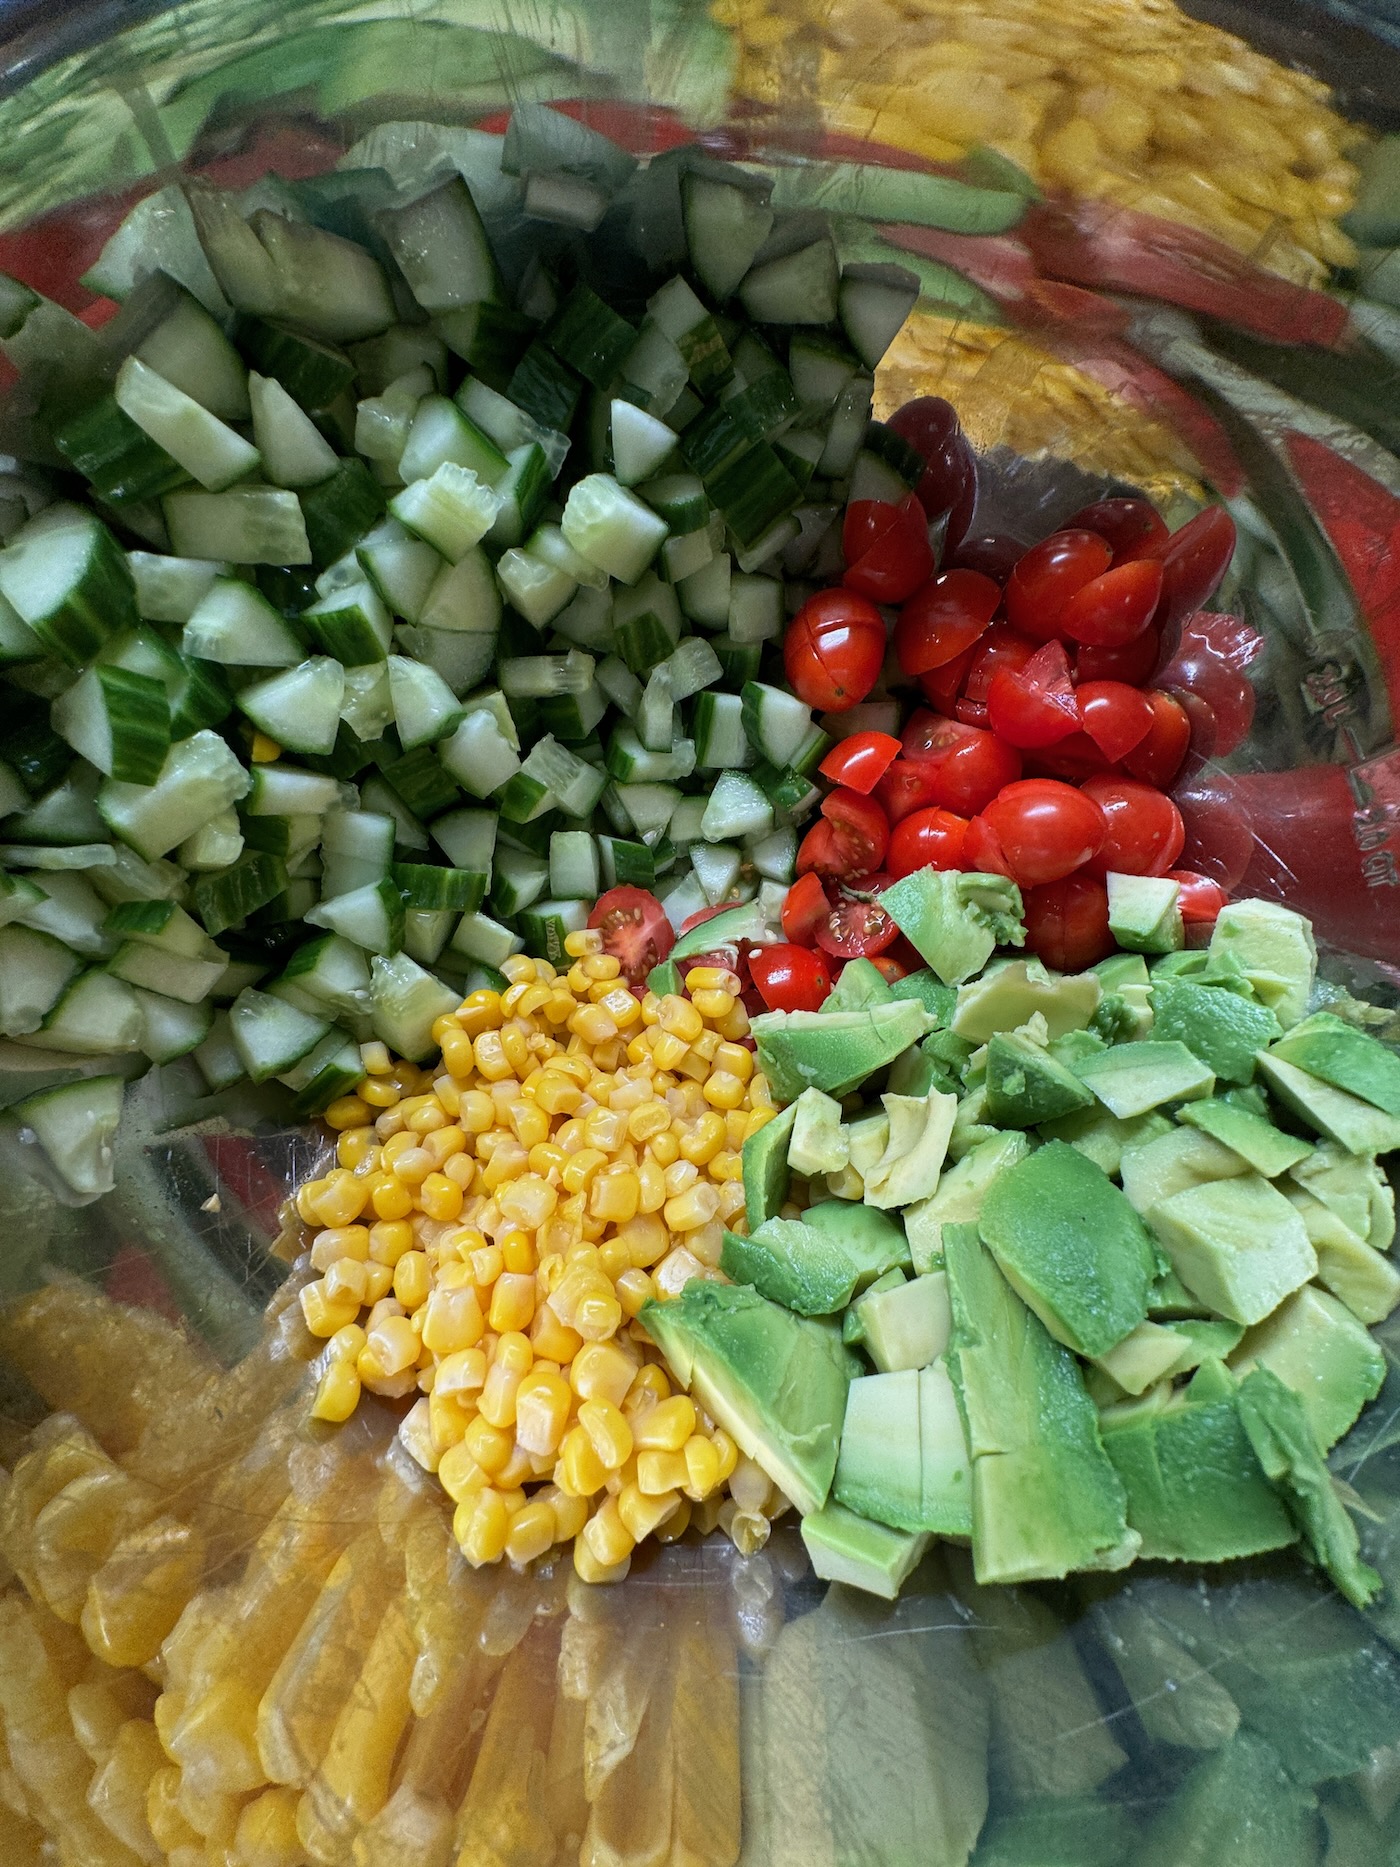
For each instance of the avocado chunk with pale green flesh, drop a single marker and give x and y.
(917, 1071)
(906, 1325)
(853, 1323)
(1124, 978)
(1170, 1299)
(1354, 1188)
(1103, 1137)
(1195, 1489)
(873, 1241)
(834, 1051)
(973, 1124)
(1173, 1161)
(1274, 949)
(1026, 1085)
(667, 977)
(956, 920)
(844, 1547)
(1058, 1831)
(819, 1142)
(869, 1135)
(1316, 1347)
(860, 984)
(1146, 1355)
(1285, 1446)
(1209, 1338)
(1223, 1029)
(958, 1200)
(1076, 1047)
(1337, 1053)
(791, 1264)
(1237, 1805)
(915, 1149)
(903, 1458)
(1011, 993)
(1144, 914)
(1071, 1246)
(776, 1383)
(1130, 1079)
(1345, 1119)
(938, 1000)
(1238, 1244)
(1267, 1149)
(1045, 1499)
(1365, 1279)
(765, 1165)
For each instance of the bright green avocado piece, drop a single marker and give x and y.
(1010, 994)
(903, 1457)
(844, 1547)
(1337, 1053)
(1045, 1499)
(1365, 1279)
(1317, 1348)
(1124, 979)
(915, 1148)
(1222, 1028)
(1343, 1118)
(1354, 1188)
(1146, 1355)
(1131, 1079)
(1195, 1489)
(1267, 1149)
(791, 1264)
(833, 1051)
(1026, 1085)
(1103, 1137)
(1273, 948)
(819, 1142)
(956, 919)
(765, 1163)
(1208, 1338)
(938, 1000)
(1238, 1244)
(958, 1200)
(1172, 1161)
(852, 1324)
(1071, 1246)
(872, 1240)
(666, 977)
(775, 1382)
(907, 1324)
(860, 984)
(1143, 913)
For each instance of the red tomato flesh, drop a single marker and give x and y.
(790, 978)
(1132, 527)
(1112, 610)
(1144, 833)
(944, 619)
(1049, 575)
(1034, 705)
(635, 930)
(1067, 923)
(834, 650)
(803, 908)
(886, 547)
(1116, 717)
(927, 839)
(967, 765)
(860, 761)
(856, 930)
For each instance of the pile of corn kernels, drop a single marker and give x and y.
(496, 1222)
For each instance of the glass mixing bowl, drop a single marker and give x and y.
(229, 1636)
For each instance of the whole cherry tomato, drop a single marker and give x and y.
(1046, 829)
(927, 839)
(931, 426)
(790, 978)
(1116, 717)
(886, 548)
(635, 930)
(1133, 527)
(1194, 559)
(850, 841)
(967, 765)
(944, 619)
(1047, 577)
(834, 650)
(1133, 662)
(890, 969)
(804, 906)
(860, 761)
(1156, 759)
(1200, 899)
(1001, 647)
(1145, 832)
(856, 930)
(1036, 704)
(1067, 922)
(1112, 610)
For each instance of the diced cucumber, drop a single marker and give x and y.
(246, 525)
(705, 594)
(118, 720)
(522, 490)
(200, 778)
(846, 429)
(34, 970)
(214, 845)
(428, 888)
(294, 451)
(775, 855)
(462, 660)
(721, 744)
(538, 590)
(649, 808)
(630, 762)
(169, 589)
(682, 557)
(19, 897)
(207, 448)
(573, 866)
(684, 827)
(799, 288)
(76, 1125)
(684, 899)
(329, 977)
(873, 478)
(96, 1016)
(587, 619)
(725, 225)
(189, 980)
(777, 723)
(340, 511)
(657, 723)
(646, 623)
(654, 370)
(371, 916)
(131, 879)
(547, 925)
(380, 797)
(575, 784)
(452, 510)
(234, 624)
(467, 838)
(158, 924)
(873, 302)
(518, 879)
(284, 791)
(217, 1057)
(357, 848)
(401, 567)
(441, 433)
(300, 709)
(405, 1003)
(464, 596)
(270, 1035)
(352, 625)
(491, 339)
(620, 685)
(611, 527)
(70, 582)
(169, 1027)
(507, 425)
(716, 868)
(479, 755)
(441, 248)
(641, 444)
(383, 422)
(737, 808)
(548, 543)
(425, 707)
(332, 1069)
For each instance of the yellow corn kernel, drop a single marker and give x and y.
(530, 1122)
(703, 1466)
(659, 1472)
(713, 1006)
(532, 1531)
(638, 1051)
(570, 1513)
(586, 941)
(642, 1512)
(665, 1149)
(613, 1258)
(413, 1279)
(518, 1253)
(457, 1055)
(508, 1162)
(760, 1097)
(704, 1140)
(676, 1525)
(580, 1472)
(487, 1444)
(346, 1343)
(379, 1092)
(167, 1825)
(323, 1312)
(551, 1340)
(519, 969)
(528, 1201)
(412, 1167)
(665, 1427)
(486, 1264)
(459, 1473)
(427, 1118)
(481, 1526)
(678, 1015)
(462, 1170)
(443, 1144)
(337, 1393)
(512, 1350)
(600, 966)
(709, 979)
(680, 1175)
(543, 1402)
(582, 1167)
(452, 1320)
(338, 1242)
(597, 1574)
(619, 1003)
(389, 1197)
(347, 1112)
(479, 1011)
(339, 1199)
(606, 1535)
(728, 1453)
(614, 1195)
(354, 1148)
(693, 1208)
(448, 1420)
(706, 1242)
(497, 1403)
(461, 1373)
(651, 1384)
(476, 1111)
(395, 1344)
(609, 1432)
(491, 1059)
(440, 1198)
(726, 1166)
(667, 1047)
(635, 1289)
(515, 1044)
(262, 750)
(557, 1094)
(512, 1301)
(389, 1241)
(602, 1371)
(649, 1119)
(735, 1059)
(735, 1026)
(724, 1090)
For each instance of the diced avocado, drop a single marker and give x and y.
(874, 1242)
(1076, 1047)
(1317, 1348)
(1133, 1078)
(1223, 1029)
(1124, 976)
(915, 1150)
(1345, 1119)
(860, 984)
(834, 1051)
(1058, 1831)
(1102, 1136)
(1144, 913)
(844, 1547)
(1179, 1701)
(973, 1124)
(958, 1200)
(1275, 950)
(1025, 1085)
(1169, 1297)
(1238, 1244)
(936, 998)
(1008, 995)
(1194, 963)
(955, 919)
(917, 1070)
(666, 977)
(791, 1264)
(845, 1185)
(776, 1383)
(1209, 1339)
(1237, 1805)
(766, 1167)
(1146, 1355)
(1171, 1162)
(906, 1325)
(1354, 1188)
(852, 1324)
(819, 1142)
(1071, 1246)
(903, 1457)
(1284, 1444)
(1267, 1149)
(869, 1135)
(1196, 1491)
(1338, 1053)
(1119, 1409)
(1365, 1279)
(1043, 1502)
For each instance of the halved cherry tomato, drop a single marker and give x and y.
(982, 850)
(1145, 833)
(1034, 705)
(972, 713)
(966, 766)
(790, 978)
(1047, 577)
(804, 906)
(931, 425)
(1046, 829)
(995, 556)
(944, 619)
(1073, 758)
(1116, 717)
(1001, 647)
(1157, 758)
(1194, 559)
(1115, 608)
(834, 650)
(856, 930)
(942, 686)
(1133, 662)
(850, 841)
(1200, 899)
(1132, 526)
(1067, 922)
(860, 761)
(886, 548)
(635, 930)
(927, 839)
